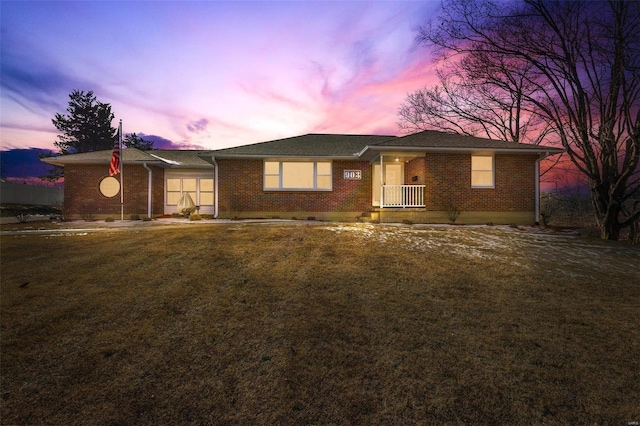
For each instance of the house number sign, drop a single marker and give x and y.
(353, 174)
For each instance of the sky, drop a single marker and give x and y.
(211, 74)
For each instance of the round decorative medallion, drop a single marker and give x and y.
(109, 186)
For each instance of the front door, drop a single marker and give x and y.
(393, 175)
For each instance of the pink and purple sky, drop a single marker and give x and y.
(212, 74)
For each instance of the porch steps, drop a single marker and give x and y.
(369, 217)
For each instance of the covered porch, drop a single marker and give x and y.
(393, 181)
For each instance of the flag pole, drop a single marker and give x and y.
(121, 172)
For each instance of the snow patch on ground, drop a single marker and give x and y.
(525, 247)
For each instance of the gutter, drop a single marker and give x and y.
(150, 187)
(215, 187)
(280, 156)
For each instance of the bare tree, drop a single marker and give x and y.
(579, 68)
(476, 98)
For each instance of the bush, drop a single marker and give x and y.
(88, 217)
(146, 219)
(453, 211)
(195, 217)
(22, 217)
(549, 207)
(109, 219)
(134, 217)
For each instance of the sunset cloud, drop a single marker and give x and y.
(211, 74)
(198, 126)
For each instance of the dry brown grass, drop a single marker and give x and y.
(318, 324)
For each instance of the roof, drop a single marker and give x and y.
(161, 157)
(367, 146)
(436, 139)
(184, 158)
(310, 145)
(335, 146)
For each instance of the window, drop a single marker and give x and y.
(297, 175)
(202, 187)
(173, 191)
(206, 192)
(482, 171)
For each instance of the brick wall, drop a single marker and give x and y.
(448, 179)
(82, 191)
(415, 168)
(241, 190)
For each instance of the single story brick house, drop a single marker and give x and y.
(424, 177)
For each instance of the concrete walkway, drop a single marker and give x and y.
(44, 226)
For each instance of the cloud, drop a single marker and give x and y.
(22, 164)
(163, 143)
(37, 85)
(198, 126)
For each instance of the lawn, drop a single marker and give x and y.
(311, 323)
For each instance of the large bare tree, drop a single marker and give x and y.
(477, 98)
(568, 68)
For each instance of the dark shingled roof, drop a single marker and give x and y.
(129, 154)
(323, 145)
(435, 139)
(310, 145)
(160, 157)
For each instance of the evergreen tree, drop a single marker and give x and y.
(86, 127)
(131, 140)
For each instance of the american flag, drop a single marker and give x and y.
(114, 167)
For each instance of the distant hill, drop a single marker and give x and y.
(22, 164)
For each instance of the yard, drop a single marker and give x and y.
(318, 323)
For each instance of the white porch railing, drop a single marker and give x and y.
(402, 196)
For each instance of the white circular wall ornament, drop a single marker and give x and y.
(109, 187)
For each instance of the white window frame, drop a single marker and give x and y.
(315, 175)
(493, 171)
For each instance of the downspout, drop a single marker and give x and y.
(537, 185)
(381, 181)
(215, 187)
(150, 187)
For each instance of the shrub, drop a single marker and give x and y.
(453, 211)
(407, 222)
(134, 217)
(195, 217)
(549, 206)
(88, 217)
(22, 217)
(146, 219)
(109, 219)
